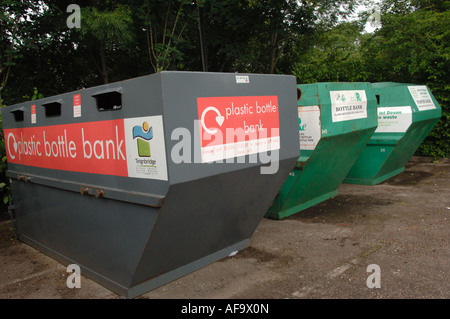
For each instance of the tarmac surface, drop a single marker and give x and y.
(394, 235)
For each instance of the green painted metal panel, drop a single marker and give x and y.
(336, 120)
(406, 113)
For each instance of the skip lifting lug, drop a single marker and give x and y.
(24, 178)
(84, 191)
(99, 193)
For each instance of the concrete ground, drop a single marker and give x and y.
(401, 225)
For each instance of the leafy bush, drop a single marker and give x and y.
(409, 48)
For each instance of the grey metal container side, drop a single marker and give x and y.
(132, 235)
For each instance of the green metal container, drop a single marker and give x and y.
(336, 120)
(406, 115)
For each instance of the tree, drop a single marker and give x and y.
(414, 48)
(106, 30)
(410, 47)
(260, 35)
(336, 55)
(227, 28)
(283, 23)
(402, 7)
(164, 32)
(16, 22)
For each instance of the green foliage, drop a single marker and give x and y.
(5, 189)
(119, 40)
(411, 47)
(414, 48)
(110, 27)
(16, 19)
(36, 94)
(336, 55)
(165, 25)
(106, 30)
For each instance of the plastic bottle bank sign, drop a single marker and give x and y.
(237, 126)
(131, 147)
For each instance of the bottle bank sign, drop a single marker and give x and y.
(237, 126)
(131, 147)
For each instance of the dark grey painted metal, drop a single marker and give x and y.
(106, 236)
(144, 233)
(180, 91)
(140, 97)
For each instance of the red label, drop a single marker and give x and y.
(33, 114)
(77, 105)
(235, 126)
(77, 100)
(92, 147)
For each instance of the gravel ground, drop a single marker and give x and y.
(400, 225)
